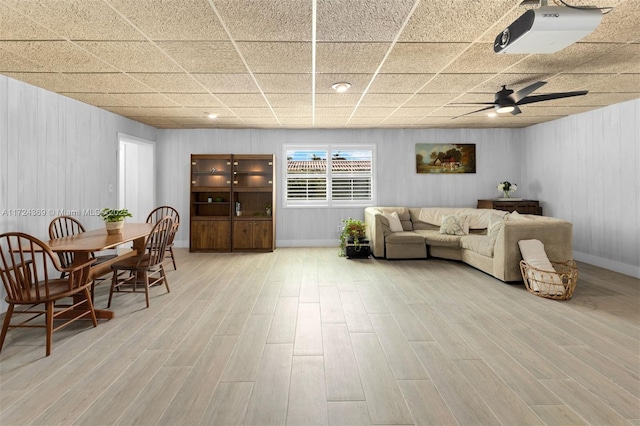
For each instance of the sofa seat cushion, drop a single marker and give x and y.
(404, 237)
(435, 238)
(481, 244)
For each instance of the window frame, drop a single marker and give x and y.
(328, 202)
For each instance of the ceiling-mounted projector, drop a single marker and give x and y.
(547, 29)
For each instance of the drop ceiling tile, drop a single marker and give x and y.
(146, 100)
(421, 57)
(293, 112)
(543, 109)
(266, 57)
(571, 82)
(195, 99)
(17, 26)
(161, 123)
(106, 82)
(204, 56)
(359, 82)
(56, 56)
(572, 57)
(363, 122)
(97, 99)
(10, 62)
(480, 58)
(512, 81)
(172, 20)
(361, 20)
(337, 99)
(252, 112)
(169, 82)
(374, 111)
(455, 83)
(453, 20)
(413, 112)
(54, 82)
(396, 121)
(131, 56)
(297, 122)
(150, 112)
(595, 99)
(350, 58)
(615, 83)
(228, 83)
(284, 83)
(399, 83)
(432, 121)
(78, 19)
(242, 100)
(431, 99)
(614, 59)
(289, 99)
(333, 112)
(261, 122)
(384, 99)
(620, 25)
(203, 122)
(266, 20)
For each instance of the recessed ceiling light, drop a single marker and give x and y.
(492, 114)
(212, 116)
(341, 87)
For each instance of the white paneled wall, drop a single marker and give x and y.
(55, 154)
(584, 169)
(497, 151)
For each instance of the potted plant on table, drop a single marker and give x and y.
(353, 239)
(114, 219)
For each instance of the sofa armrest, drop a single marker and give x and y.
(555, 234)
(374, 231)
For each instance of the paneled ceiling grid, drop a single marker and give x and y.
(271, 63)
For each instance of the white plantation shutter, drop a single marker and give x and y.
(315, 178)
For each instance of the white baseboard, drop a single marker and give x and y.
(622, 268)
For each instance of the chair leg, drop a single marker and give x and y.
(164, 278)
(146, 287)
(173, 259)
(49, 321)
(5, 324)
(90, 305)
(113, 284)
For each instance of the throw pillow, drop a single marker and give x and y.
(515, 216)
(496, 223)
(455, 225)
(394, 222)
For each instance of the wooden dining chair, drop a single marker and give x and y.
(157, 214)
(146, 269)
(65, 226)
(25, 264)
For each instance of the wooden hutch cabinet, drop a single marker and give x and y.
(232, 205)
(521, 206)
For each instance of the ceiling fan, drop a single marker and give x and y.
(506, 100)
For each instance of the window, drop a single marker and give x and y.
(329, 175)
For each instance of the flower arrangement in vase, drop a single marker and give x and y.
(506, 187)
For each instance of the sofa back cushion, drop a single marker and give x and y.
(478, 218)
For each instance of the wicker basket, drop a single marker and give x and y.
(558, 284)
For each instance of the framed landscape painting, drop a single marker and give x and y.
(445, 158)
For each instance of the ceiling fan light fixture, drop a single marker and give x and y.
(341, 87)
(505, 109)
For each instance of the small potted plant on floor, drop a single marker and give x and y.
(114, 219)
(353, 242)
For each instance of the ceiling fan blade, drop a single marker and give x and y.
(473, 112)
(551, 96)
(472, 103)
(522, 93)
(516, 110)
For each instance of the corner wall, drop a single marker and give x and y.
(584, 168)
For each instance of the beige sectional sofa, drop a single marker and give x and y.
(490, 244)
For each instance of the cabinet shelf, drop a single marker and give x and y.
(244, 182)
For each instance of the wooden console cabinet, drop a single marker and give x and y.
(521, 206)
(232, 203)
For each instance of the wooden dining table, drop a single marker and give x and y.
(85, 243)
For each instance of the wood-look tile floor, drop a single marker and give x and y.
(301, 336)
